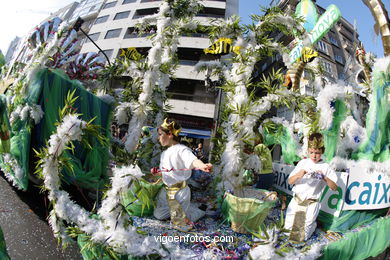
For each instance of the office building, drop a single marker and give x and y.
(114, 30)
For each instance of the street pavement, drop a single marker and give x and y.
(27, 236)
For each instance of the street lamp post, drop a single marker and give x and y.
(77, 27)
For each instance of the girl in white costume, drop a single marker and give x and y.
(309, 178)
(175, 168)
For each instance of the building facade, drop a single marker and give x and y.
(336, 55)
(192, 105)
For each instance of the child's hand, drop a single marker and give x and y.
(302, 173)
(208, 167)
(155, 171)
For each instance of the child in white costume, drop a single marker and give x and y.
(309, 178)
(175, 167)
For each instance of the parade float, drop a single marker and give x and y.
(47, 110)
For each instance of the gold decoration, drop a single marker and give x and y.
(316, 143)
(381, 16)
(171, 127)
(131, 53)
(178, 215)
(5, 83)
(222, 46)
(360, 55)
(294, 74)
(308, 55)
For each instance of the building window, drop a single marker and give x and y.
(107, 52)
(211, 12)
(342, 76)
(327, 67)
(110, 4)
(113, 33)
(92, 8)
(122, 15)
(101, 19)
(94, 36)
(144, 12)
(339, 59)
(128, 1)
(333, 40)
(323, 47)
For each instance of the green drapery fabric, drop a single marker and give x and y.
(19, 148)
(376, 146)
(370, 241)
(3, 248)
(49, 89)
(5, 129)
(332, 134)
(349, 219)
(283, 137)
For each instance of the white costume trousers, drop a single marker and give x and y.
(183, 196)
(311, 216)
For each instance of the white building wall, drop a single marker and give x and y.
(191, 108)
(185, 69)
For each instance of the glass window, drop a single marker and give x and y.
(130, 33)
(107, 52)
(129, 1)
(113, 33)
(122, 15)
(322, 47)
(333, 41)
(327, 67)
(101, 19)
(338, 58)
(144, 12)
(94, 36)
(110, 4)
(342, 76)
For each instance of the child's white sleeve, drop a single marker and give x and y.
(188, 157)
(297, 168)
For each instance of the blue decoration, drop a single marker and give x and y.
(356, 139)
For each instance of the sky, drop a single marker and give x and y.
(351, 10)
(18, 17)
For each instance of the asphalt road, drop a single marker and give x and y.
(27, 235)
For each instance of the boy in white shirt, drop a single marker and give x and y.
(175, 168)
(309, 178)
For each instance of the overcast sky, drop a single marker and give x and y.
(17, 17)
